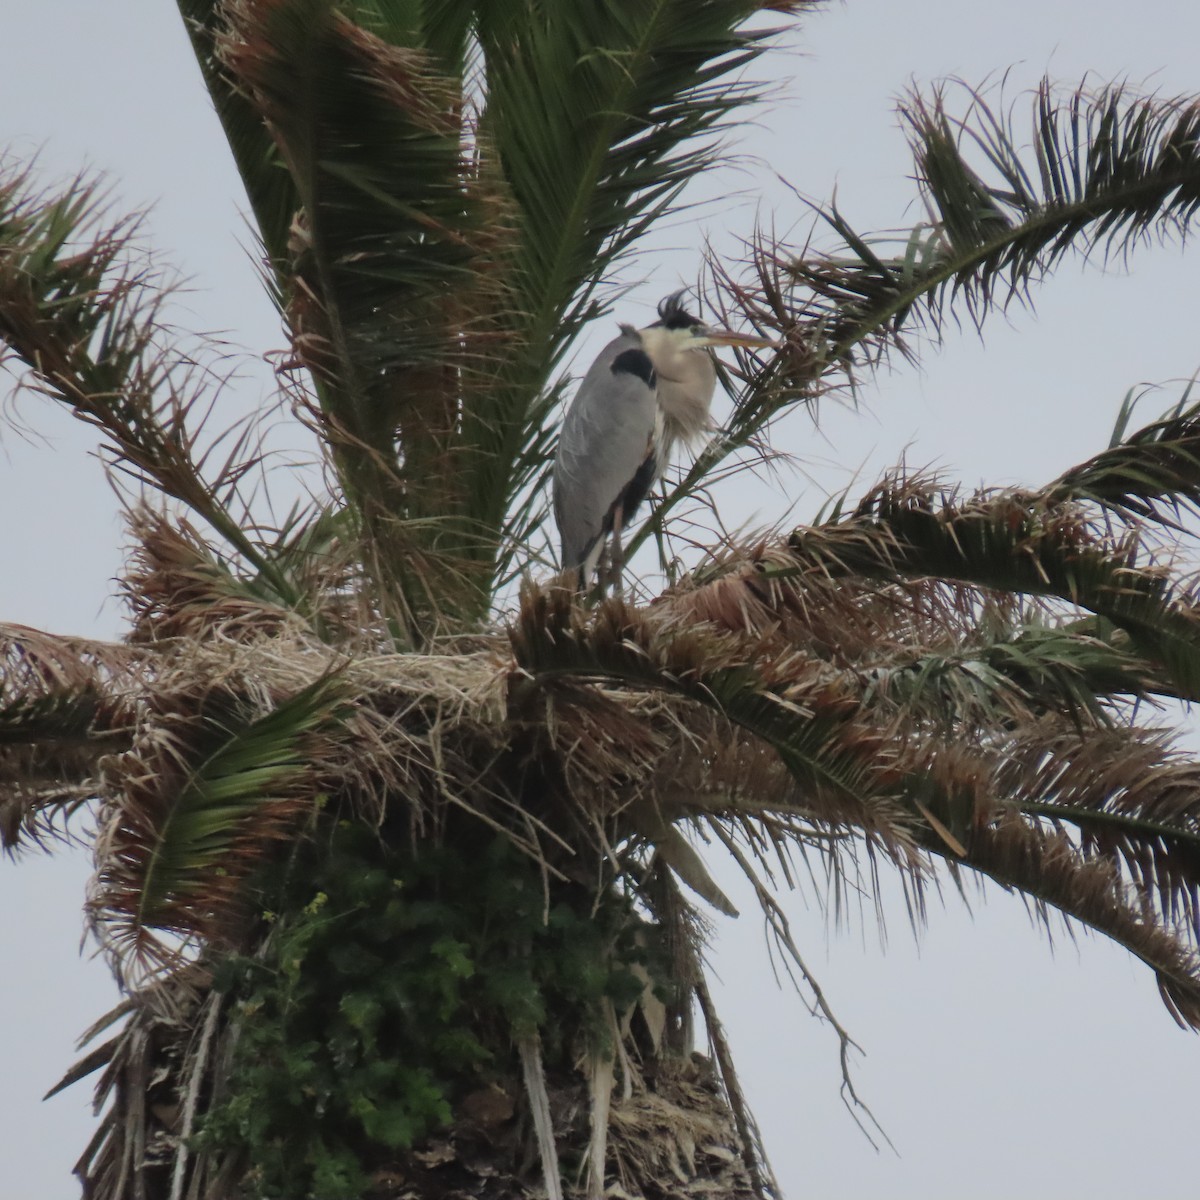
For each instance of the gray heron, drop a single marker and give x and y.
(648, 390)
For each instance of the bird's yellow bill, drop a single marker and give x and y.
(726, 337)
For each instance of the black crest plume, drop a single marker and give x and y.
(673, 315)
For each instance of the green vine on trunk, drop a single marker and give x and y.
(391, 984)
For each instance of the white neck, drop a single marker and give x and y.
(687, 378)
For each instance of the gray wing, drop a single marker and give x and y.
(604, 443)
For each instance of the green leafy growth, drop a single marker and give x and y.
(389, 987)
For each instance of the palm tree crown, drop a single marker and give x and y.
(396, 835)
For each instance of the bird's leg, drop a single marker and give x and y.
(595, 591)
(617, 566)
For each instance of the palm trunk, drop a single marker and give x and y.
(643, 1115)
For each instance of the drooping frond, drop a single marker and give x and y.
(1133, 806)
(1050, 871)
(998, 717)
(1133, 796)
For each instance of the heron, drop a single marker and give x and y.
(648, 391)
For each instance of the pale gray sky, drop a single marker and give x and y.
(996, 1067)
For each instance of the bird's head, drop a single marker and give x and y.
(680, 330)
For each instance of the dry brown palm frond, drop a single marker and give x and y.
(143, 1091)
(177, 588)
(1109, 839)
(237, 744)
(34, 664)
(64, 703)
(922, 653)
(799, 705)
(763, 587)
(1132, 795)
(605, 726)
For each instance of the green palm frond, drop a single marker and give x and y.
(444, 27)
(452, 232)
(1107, 172)
(61, 717)
(1151, 475)
(49, 749)
(1009, 675)
(1013, 543)
(202, 802)
(597, 113)
(269, 188)
(638, 94)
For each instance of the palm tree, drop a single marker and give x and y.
(397, 865)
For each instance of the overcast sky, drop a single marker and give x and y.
(996, 1067)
